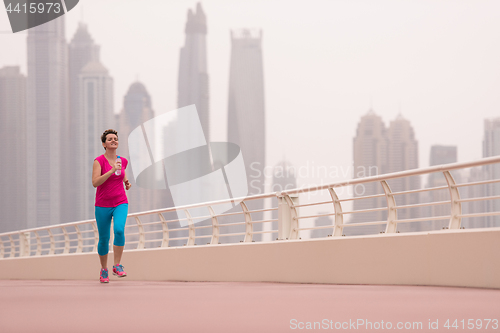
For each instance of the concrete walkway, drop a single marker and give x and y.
(132, 306)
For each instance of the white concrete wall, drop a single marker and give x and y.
(468, 258)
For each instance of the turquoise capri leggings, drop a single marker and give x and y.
(103, 217)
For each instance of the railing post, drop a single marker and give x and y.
(192, 230)
(52, 242)
(287, 217)
(392, 213)
(248, 223)
(12, 247)
(215, 226)
(66, 240)
(142, 237)
(456, 205)
(1, 248)
(79, 247)
(24, 244)
(164, 226)
(338, 224)
(38, 244)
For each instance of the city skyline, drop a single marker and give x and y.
(334, 164)
(388, 74)
(309, 137)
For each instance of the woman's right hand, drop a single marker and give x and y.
(117, 166)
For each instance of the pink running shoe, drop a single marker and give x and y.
(104, 275)
(118, 271)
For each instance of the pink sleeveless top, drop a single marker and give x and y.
(111, 193)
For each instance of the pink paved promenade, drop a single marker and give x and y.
(131, 306)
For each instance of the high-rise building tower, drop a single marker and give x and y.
(370, 159)
(402, 155)
(193, 89)
(13, 149)
(491, 147)
(246, 110)
(95, 116)
(48, 129)
(378, 150)
(89, 106)
(136, 110)
(82, 50)
(193, 76)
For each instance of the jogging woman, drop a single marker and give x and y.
(110, 201)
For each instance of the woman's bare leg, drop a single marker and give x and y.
(104, 261)
(117, 252)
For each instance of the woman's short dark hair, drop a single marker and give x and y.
(106, 132)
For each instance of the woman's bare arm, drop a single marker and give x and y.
(97, 178)
(125, 181)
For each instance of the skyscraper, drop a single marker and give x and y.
(192, 88)
(136, 110)
(95, 116)
(402, 155)
(47, 123)
(370, 159)
(246, 110)
(82, 50)
(491, 147)
(89, 106)
(193, 76)
(379, 150)
(13, 185)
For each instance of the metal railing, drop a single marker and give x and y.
(82, 236)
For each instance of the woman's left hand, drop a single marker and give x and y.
(127, 185)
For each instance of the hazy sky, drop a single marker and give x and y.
(325, 62)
